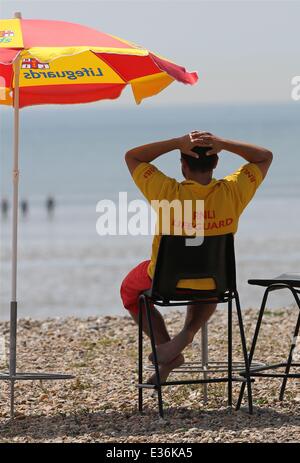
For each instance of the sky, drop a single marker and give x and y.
(244, 51)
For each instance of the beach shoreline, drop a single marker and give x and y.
(100, 404)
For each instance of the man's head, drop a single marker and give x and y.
(202, 164)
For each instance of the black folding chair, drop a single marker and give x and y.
(176, 260)
(285, 281)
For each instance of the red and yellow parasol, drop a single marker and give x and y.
(62, 62)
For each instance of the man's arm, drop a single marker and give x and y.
(262, 157)
(147, 153)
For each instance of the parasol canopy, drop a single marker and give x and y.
(63, 63)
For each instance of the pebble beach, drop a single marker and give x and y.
(100, 403)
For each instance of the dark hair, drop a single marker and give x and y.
(203, 163)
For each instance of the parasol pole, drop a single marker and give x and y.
(13, 304)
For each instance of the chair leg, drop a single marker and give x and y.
(153, 346)
(253, 345)
(290, 358)
(229, 360)
(140, 353)
(244, 346)
(204, 355)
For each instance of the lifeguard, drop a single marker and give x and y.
(224, 202)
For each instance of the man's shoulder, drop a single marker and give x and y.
(249, 171)
(144, 169)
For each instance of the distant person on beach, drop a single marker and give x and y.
(24, 207)
(224, 202)
(4, 207)
(50, 206)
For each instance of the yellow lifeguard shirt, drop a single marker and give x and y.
(224, 201)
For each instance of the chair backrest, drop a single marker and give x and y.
(214, 258)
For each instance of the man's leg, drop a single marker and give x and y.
(161, 337)
(136, 282)
(133, 285)
(159, 327)
(196, 317)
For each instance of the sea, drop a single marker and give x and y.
(75, 154)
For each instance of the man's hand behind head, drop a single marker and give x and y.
(189, 141)
(207, 139)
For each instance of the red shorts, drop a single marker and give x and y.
(134, 284)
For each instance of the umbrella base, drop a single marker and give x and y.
(25, 376)
(33, 376)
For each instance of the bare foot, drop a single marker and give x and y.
(165, 369)
(168, 351)
(151, 359)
